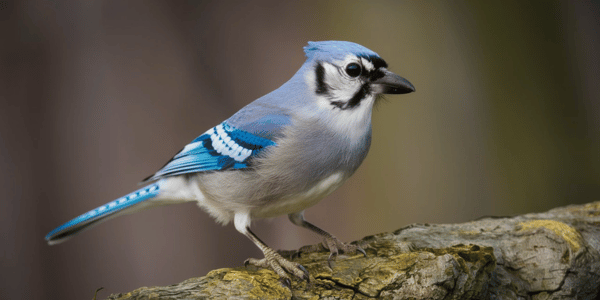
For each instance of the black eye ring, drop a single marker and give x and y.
(353, 70)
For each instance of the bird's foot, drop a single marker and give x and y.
(334, 245)
(280, 265)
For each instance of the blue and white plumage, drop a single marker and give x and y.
(222, 147)
(278, 155)
(100, 214)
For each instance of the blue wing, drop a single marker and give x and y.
(223, 147)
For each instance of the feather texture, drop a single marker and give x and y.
(280, 154)
(223, 147)
(101, 214)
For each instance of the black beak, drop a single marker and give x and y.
(391, 83)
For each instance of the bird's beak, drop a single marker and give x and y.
(391, 83)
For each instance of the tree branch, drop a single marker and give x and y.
(534, 256)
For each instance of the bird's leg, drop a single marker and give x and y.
(275, 261)
(329, 241)
(272, 260)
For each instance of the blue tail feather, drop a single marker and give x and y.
(102, 213)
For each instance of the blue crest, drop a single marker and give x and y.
(336, 50)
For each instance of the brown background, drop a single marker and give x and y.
(96, 96)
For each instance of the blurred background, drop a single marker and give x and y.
(95, 96)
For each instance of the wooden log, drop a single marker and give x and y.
(550, 255)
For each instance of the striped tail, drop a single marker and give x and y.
(123, 205)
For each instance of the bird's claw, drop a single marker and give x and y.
(285, 281)
(281, 266)
(361, 250)
(332, 256)
(335, 246)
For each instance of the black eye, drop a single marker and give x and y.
(353, 70)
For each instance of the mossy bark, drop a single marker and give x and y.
(551, 255)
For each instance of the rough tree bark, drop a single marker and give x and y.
(551, 255)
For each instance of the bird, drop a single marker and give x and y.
(278, 155)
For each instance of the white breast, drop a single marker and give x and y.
(302, 201)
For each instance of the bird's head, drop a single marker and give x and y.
(344, 75)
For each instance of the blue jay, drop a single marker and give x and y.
(278, 155)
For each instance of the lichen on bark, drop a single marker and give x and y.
(551, 255)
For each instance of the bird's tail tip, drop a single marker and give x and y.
(101, 214)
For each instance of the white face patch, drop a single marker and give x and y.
(352, 122)
(337, 86)
(341, 86)
(367, 64)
